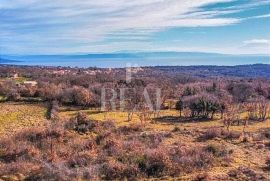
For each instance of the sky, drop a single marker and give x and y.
(31, 27)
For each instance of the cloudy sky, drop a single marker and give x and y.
(85, 26)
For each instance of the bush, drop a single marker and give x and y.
(13, 95)
(111, 145)
(244, 173)
(81, 124)
(186, 159)
(267, 162)
(217, 150)
(202, 177)
(176, 129)
(231, 134)
(267, 134)
(267, 144)
(53, 109)
(151, 139)
(211, 133)
(116, 170)
(79, 161)
(156, 162)
(129, 129)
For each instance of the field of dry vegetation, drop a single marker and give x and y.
(211, 130)
(82, 145)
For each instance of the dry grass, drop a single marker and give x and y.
(16, 116)
(87, 149)
(250, 150)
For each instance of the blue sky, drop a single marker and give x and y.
(81, 26)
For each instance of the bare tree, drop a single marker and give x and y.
(82, 96)
(231, 116)
(263, 108)
(144, 113)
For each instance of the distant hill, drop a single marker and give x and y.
(242, 71)
(2, 61)
(122, 55)
(121, 59)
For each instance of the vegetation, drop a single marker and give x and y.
(93, 124)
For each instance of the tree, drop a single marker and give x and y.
(13, 95)
(143, 113)
(53, 110)
(257, 108)
(202, 105)
(241, 92)
(130, 108)
(233, 115)
(263, 108)
(50, 92)
(82, 96)
(27, 90)
(67, 96)
(179, 106)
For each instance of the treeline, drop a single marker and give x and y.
(203, 100)
(196, 97)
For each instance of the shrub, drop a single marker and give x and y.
(79, 161)
(267, 144)
(151, 139)
(244, 173)
(231, 134)
(211, 133)
(267, 134)
(267, 162)
(155, 162)
(129, 129)
(176, 129)
(52, 172)
(217, 150)
(105, 126)
(202, 177)
(82, 96)
(13, 95)
(186, 159)
(81, 124)
(116, 170)
(53, 109)
(111, 145)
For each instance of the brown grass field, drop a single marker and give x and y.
(16, 116)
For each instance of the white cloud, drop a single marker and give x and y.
(263, 16)
(37, 25)
(95, 19)
(257, 42)
(255, 46)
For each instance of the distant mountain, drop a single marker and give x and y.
(121, 59)
(122, 55)
(247, 71)
(7, 61)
